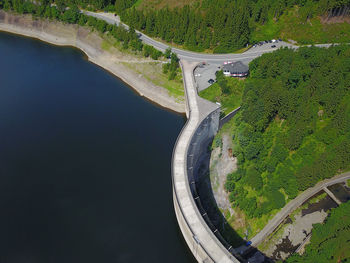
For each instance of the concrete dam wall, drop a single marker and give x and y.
(204, 240)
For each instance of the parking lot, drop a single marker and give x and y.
(205, 72)
(268, 45)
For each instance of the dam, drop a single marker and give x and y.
(203, 239)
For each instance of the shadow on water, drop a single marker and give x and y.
(341, 191)
(199, 179)
(325, 204)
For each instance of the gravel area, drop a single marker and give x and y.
(222, 163)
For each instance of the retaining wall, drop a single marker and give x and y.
(200, 234)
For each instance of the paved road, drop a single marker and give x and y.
(195, 113)
(295, 203)
(193, 56)
(246, 57)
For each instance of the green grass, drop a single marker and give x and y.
(290, 26)
(273, 238)
(106, 45)
(270, 30)
(138, 3)
(153, 72)
(240, 223)
(229, 101)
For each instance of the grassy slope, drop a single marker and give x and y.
(152, 71)
(254, 225)
(291, 27)
(310, 149)
(158, 4)
(229, 102)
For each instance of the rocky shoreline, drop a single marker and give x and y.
(90, 43)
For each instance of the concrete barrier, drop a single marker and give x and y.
(228, 117)
(205, 242)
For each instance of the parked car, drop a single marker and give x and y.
(273, 46)
(211, 81)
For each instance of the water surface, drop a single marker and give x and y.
(84, 163)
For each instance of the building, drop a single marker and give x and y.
(235, 69)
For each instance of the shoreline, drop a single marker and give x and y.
(59, 34)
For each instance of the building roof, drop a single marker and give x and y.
(236, 67)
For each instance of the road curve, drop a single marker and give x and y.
(194, 56)
(200, 239)
(190, 215)
(294, 204)
(189, 55)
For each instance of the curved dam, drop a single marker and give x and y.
(203, 239)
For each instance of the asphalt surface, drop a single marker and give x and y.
(218, 59)
(203, 73)
(246, 57)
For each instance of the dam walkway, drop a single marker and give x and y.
(203, 243)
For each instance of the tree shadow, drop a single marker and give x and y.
(198, 160)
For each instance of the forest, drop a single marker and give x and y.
(293, 129)
(69, 13)
(226, 25)
(330, 240)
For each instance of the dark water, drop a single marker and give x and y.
(341, 191)
(324, 204)
(84, 163)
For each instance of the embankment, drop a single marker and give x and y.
(90, 43)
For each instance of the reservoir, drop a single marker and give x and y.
(84, 163)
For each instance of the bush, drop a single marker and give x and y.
(253, 178)
(230, 186)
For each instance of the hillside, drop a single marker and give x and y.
(293, 129)
(225, 26)
(156, 4)
(228, 26)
